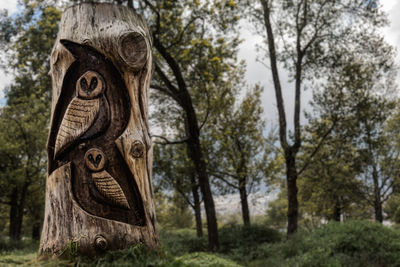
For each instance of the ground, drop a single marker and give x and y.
(355, 243)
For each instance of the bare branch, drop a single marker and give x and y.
(168, 142)
(308, 161)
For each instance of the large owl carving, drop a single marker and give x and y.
(83, 111)
(93, 110)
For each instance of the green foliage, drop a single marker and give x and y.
(392, 208)
(243, 239)
(354, 243)
(182, 241)
(7, 244)
(242, 243)
(174, 213)
(202, 259)
(24, 119)
(135, 256)
(277, 210)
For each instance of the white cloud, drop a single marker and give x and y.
(10, 5)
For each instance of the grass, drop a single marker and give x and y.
(355, 244)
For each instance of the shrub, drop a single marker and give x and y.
(7, 244)
(237, 236)
(355, 243)
(202, 259)
(182, 241)
(243, 244)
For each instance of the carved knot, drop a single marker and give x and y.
(137, 149)
(100, 242)
(133, 49)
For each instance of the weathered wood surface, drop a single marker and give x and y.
(99, 188)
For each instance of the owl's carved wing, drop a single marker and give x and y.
(110, 189)
(79, 117)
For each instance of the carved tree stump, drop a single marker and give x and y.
(99, 189)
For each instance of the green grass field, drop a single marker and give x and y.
(356, 243)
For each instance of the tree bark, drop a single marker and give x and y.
(99, 188)
(293, 205)
(244, 202)
(17, 211)
(290, 151)
(35, 234)
(337, 212)
(15, 216)
(200, 165)
(377, 196)
(197, 208)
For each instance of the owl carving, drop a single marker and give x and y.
(92, 112)
(83, 111)
(108, 187)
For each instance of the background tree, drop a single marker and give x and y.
(306, 38)
(24, 119)
(191, 58)
(239, 156)
(174, 173)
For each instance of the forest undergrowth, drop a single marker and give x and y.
(353, 243)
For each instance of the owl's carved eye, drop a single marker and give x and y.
(95, 159)
(94, 88)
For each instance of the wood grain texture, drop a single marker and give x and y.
(76, 208)
(61, 202)
(79, 117)
(110, 189)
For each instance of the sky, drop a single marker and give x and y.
(257, 72)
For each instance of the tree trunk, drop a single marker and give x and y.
(35, 234)
(291, 179)
(378, 211)
(244, 203)
(99, 188)
(337, 212)
(377, 196)
(200, 165)
(197, 208)
(290, 151)
(182, 96)
(15, 216)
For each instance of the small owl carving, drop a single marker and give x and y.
(82, 112)
(95, 161)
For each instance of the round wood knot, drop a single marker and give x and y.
(133, 49)
(137, 149)
(100, 242)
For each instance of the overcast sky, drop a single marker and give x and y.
(256, 72)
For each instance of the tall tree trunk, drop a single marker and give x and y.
(99, 188)
(200, 165)
(35, 234)
(182, 96)
(17, 211)
(337, 212)
(14, 225)
(197, 208)
(290, 151)
(291, 176)
(377, 196)
(244, 202)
